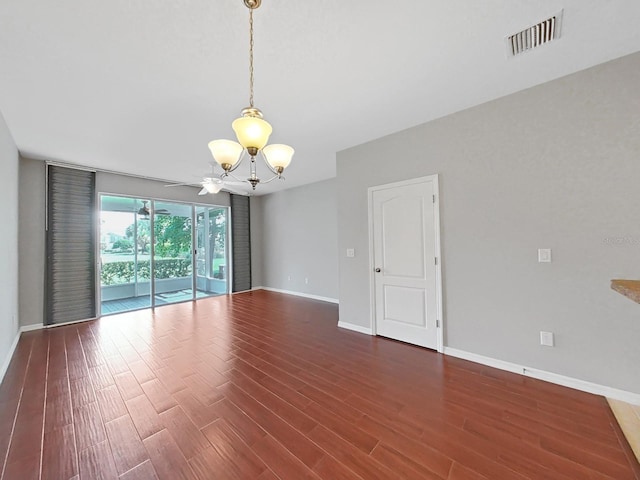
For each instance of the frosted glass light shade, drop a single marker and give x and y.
(252, 132)
(278, 156)
(225, 152)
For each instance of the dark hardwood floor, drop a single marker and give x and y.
(265, 386)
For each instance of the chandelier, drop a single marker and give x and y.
(252, 132)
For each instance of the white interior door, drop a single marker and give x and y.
(404, 226)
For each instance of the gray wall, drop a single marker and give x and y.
(299, 239)
(32, 224)
(255, 210)
(32, 241)
(8, 242)
(554, 166)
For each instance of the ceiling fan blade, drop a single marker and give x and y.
(203, 191)
(191, 184)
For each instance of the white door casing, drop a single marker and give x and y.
(404, 238)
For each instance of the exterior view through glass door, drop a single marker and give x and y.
(133, 232)
(125, 254)
(211, 250)
(172, 252)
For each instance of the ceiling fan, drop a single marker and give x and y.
(213, 183)
(144, 210)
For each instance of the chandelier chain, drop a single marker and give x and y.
(251, 57)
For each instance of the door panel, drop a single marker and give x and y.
(125, 254)
(403, 254)
(404, 305)
(404, 246)
(172, 252)
(211, 250)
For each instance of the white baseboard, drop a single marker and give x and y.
(298, 294)
(73, 322)
(29, 328)
(14, 345)
(355, 328)
(550, 377)
(7, 360)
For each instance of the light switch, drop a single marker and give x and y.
(546, 339)
(351, 252)
(544, 255)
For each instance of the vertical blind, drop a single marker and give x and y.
(241, 238)
(71, 266)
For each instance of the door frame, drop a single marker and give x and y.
(438, 256)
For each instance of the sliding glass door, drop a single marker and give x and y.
(211, 250)
(155, 252)
(125, 254)
(172, 252)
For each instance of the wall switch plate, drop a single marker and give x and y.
(546, 339)
(306, 280)
(544, 255)
(351, 252)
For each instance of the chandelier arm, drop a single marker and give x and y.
(237, 179)
(276, 176)
(244, 151)
(274, 171)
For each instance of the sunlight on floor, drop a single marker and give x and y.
(628, 417)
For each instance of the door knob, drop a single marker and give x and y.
(377, 270)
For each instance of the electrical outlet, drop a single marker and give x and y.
(546, 339)
(289, 278)
(351, 252)
(306, 280)
(544, 255)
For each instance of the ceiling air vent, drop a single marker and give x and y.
(534, 36)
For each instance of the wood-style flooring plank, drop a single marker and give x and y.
(128, 450)
(96, 462)
(201, 415)
(59, 455)
(89, 428)
(159, 397)
(167, 460)
(128, 385)
(189, 438)
(282, 462)
(235, 456)
(144, 416)
(144, 471)
(27, 435)
(27, 468)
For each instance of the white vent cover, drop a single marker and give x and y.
(532, 37)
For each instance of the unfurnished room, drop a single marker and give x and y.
(273, 239)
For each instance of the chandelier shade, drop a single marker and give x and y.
(278, 156)
(226, 153)
(252, 132)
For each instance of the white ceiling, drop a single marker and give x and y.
(141, 87)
